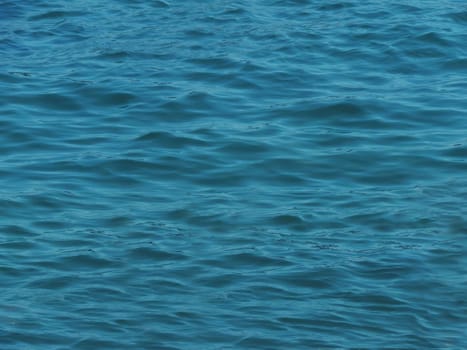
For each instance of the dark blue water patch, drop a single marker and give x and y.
(54, 15)
(264, 174)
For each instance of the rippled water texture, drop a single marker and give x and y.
(264, 174)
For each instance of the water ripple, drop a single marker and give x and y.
(264, 174)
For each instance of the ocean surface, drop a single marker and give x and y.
(257, 174)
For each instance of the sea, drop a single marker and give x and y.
(250, 174)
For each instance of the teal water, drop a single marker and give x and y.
(265, 174)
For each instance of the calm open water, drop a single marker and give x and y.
(262, 174)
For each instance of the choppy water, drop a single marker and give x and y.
(263, 174)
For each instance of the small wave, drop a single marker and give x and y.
(57, 15)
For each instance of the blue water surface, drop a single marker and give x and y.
(252, 174)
